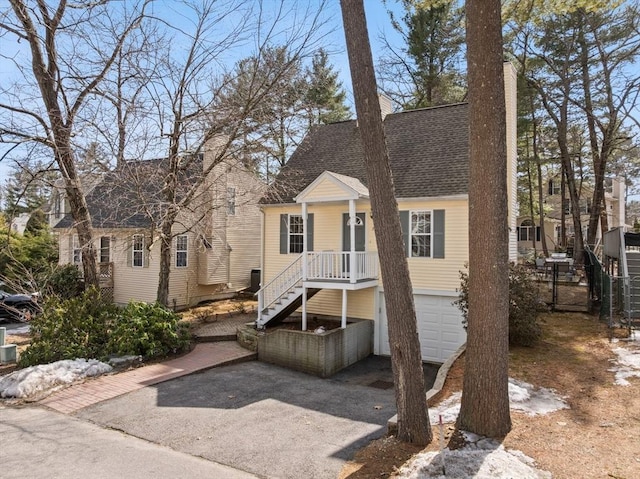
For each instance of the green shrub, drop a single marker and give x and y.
(149, 330)
(69, 329)
(524, 329)
(65, 282)
(88, 327)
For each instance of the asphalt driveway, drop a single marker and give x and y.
(258, 418)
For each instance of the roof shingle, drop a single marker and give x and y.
(428, 151)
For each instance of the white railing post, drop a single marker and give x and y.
(304, 241)
(352, 246)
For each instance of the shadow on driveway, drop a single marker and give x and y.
(260, 418)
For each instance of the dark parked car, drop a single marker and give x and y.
(20, 307)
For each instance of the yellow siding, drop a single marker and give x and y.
(243, 229)
(129, 283)
(442, 274)
(325, 189)
(360, 304)
(426, 273)
(238, 248)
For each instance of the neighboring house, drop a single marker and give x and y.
(318, 229)
(215, 242)
(529, 232)
(19, 223)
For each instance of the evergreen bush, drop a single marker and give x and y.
(524, 329)
(89, 327)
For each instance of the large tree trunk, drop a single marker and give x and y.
(413, 421)
(485, 396)
(81, 217)
(162, 295)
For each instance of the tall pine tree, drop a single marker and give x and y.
(325, 96)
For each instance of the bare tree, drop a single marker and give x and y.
(413, 421)
(187, 89)
(69, 58)
(485, 396)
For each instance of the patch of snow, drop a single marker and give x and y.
(523, 397)
(627, 364)
(448, 409)
(29, 381)
(481, 458)
(534, 401)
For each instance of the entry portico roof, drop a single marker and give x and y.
(331, 186)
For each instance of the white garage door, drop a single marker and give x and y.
(439, 327)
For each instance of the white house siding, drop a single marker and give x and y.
(510, 79)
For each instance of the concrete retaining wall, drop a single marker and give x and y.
(321, 354)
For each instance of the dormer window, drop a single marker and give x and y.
(57, 205)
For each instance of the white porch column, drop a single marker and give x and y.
(344, 309)
(304, 308)
(304, 241)
(352, 246)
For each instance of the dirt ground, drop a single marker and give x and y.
(598, 437)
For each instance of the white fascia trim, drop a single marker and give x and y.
(432, 292)
(434, 198)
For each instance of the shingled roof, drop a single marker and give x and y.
(131, 197)
(428, 150)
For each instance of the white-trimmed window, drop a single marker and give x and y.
(182, 242)
(77, 250)
(105, 249)
(296, 234)
(231, 201)
(137, 251)
(527, 231)
(420, 234)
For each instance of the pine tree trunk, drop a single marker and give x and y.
(485, 399)
(413, 421)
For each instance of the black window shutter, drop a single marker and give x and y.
(404, 224)
(438, 233)
(284, 234)
(309, 231)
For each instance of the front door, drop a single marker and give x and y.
(346, 236)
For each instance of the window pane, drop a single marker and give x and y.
(231, 201)
(138, 251)
(421, 246)
(295, 224)
(420, 222)
(181, 251)
(105, 243)
(295, 243)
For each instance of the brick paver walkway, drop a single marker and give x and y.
(224, 328)
(204, 356)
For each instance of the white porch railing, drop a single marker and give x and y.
(331, 265)
(288, 279)
(320, 266)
